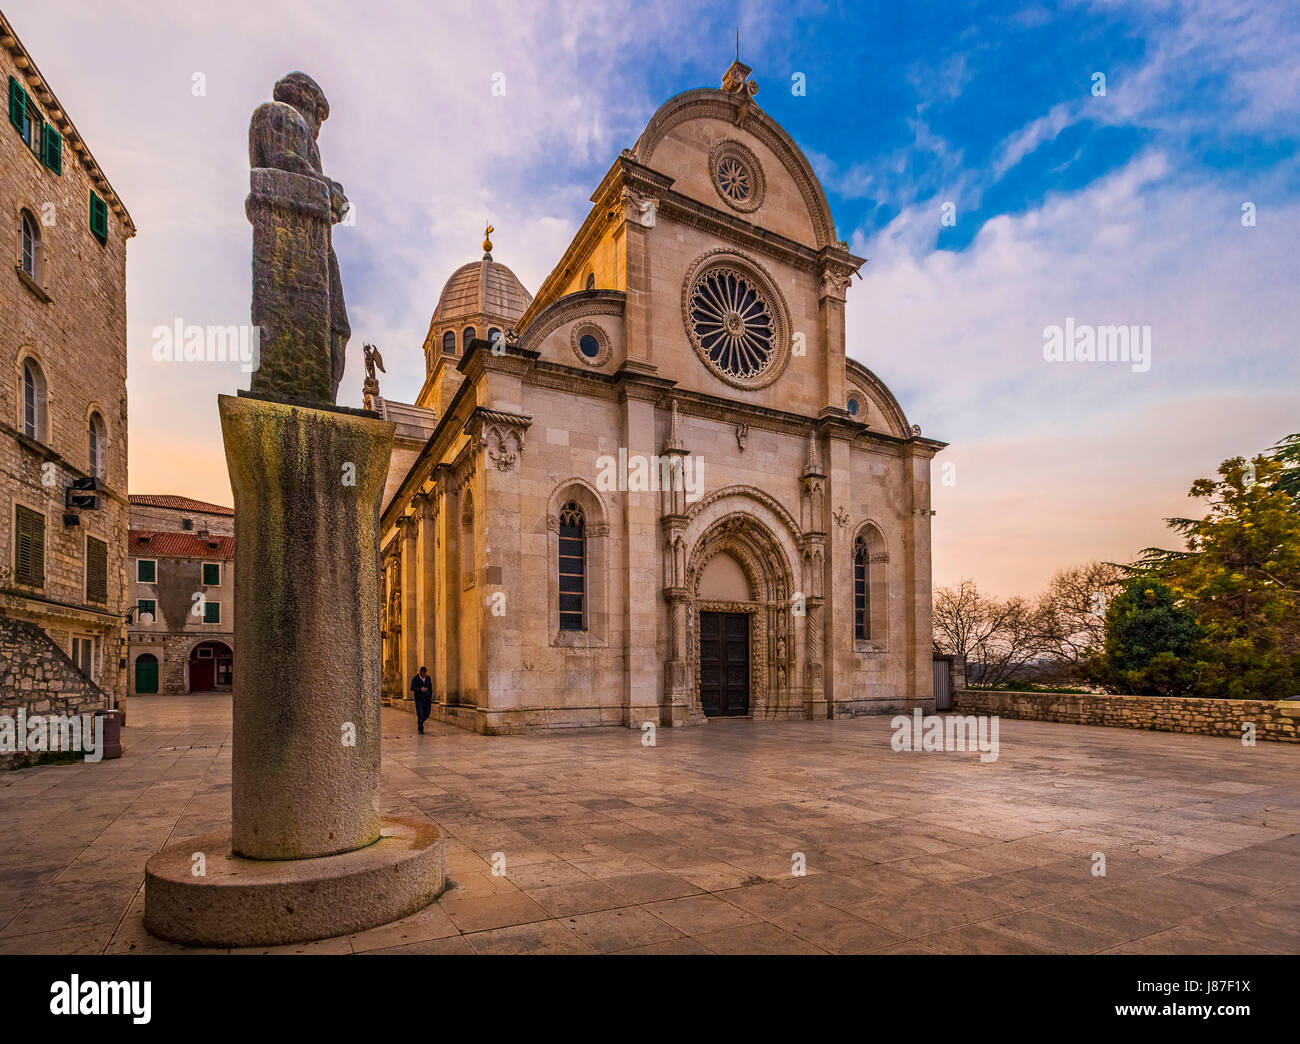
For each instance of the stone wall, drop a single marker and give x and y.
(70, 321)
(36, 675)
(1274, 721)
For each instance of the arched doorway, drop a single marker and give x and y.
(211, 667)
(146, 674)
(739, 629)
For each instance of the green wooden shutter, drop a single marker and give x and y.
(52, 154)
(98, 217)
(17, 106)
(29, 552)
(96, 570)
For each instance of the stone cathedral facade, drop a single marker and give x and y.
(659, 490)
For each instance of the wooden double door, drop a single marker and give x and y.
(724, 664)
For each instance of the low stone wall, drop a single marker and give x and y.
(37, 676)
(1272, 721)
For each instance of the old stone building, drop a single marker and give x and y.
(182, 582)
(660, 491)
(63, 399)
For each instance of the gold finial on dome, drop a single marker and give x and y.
(487, 242)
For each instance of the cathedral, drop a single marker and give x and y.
(659, 490)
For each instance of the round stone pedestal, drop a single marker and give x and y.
(269, 902)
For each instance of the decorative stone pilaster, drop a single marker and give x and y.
(681, 703)
(835, 271)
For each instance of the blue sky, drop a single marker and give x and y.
(1123, 208)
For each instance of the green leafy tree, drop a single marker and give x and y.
(1152, 642)
(1287, 453)
(1240, 575)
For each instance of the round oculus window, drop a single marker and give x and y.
(853, 407)
(589, 346)
(732, 323)
(737, 175)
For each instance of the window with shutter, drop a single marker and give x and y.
(96, 570)
(211, 574)
(29, 547)
(212, 612)
(17, 104)
(98, 217)
(52, 153)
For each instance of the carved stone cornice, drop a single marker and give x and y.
(501, 435)
(634, 383)
(479, 358)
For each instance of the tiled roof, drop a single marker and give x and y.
(143, 543)
(166, 500)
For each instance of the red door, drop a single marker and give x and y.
(202, 675)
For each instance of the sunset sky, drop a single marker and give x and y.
(1122, 208)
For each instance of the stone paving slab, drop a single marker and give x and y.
(608, 846)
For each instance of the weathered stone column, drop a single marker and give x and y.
(307, 485)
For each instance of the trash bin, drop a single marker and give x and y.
(112, 733)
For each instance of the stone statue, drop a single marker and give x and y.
(297, 291)
(370, 389)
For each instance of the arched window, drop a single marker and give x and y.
(493, 334)
(591, 280)
(449, 343)
(30, 259)
(468, 335)
(861, 590)
(33, 401)
(573, 567)
(96, 444)
(870, 589)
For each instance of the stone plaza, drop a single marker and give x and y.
(608, 845)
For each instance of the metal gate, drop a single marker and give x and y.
(942, 686)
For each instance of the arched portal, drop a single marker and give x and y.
(740, 640)
(211, 667)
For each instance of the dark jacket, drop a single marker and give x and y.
(422, 686)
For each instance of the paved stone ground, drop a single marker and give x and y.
(687, 847)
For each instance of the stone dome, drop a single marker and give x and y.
(482, 289)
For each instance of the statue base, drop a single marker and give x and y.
(257, 902)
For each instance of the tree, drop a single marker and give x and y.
(1287, 453)
(1240, 575)
(998, 639)
(1073, 611)
(1151, 642)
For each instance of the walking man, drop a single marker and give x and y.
(422, 687)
